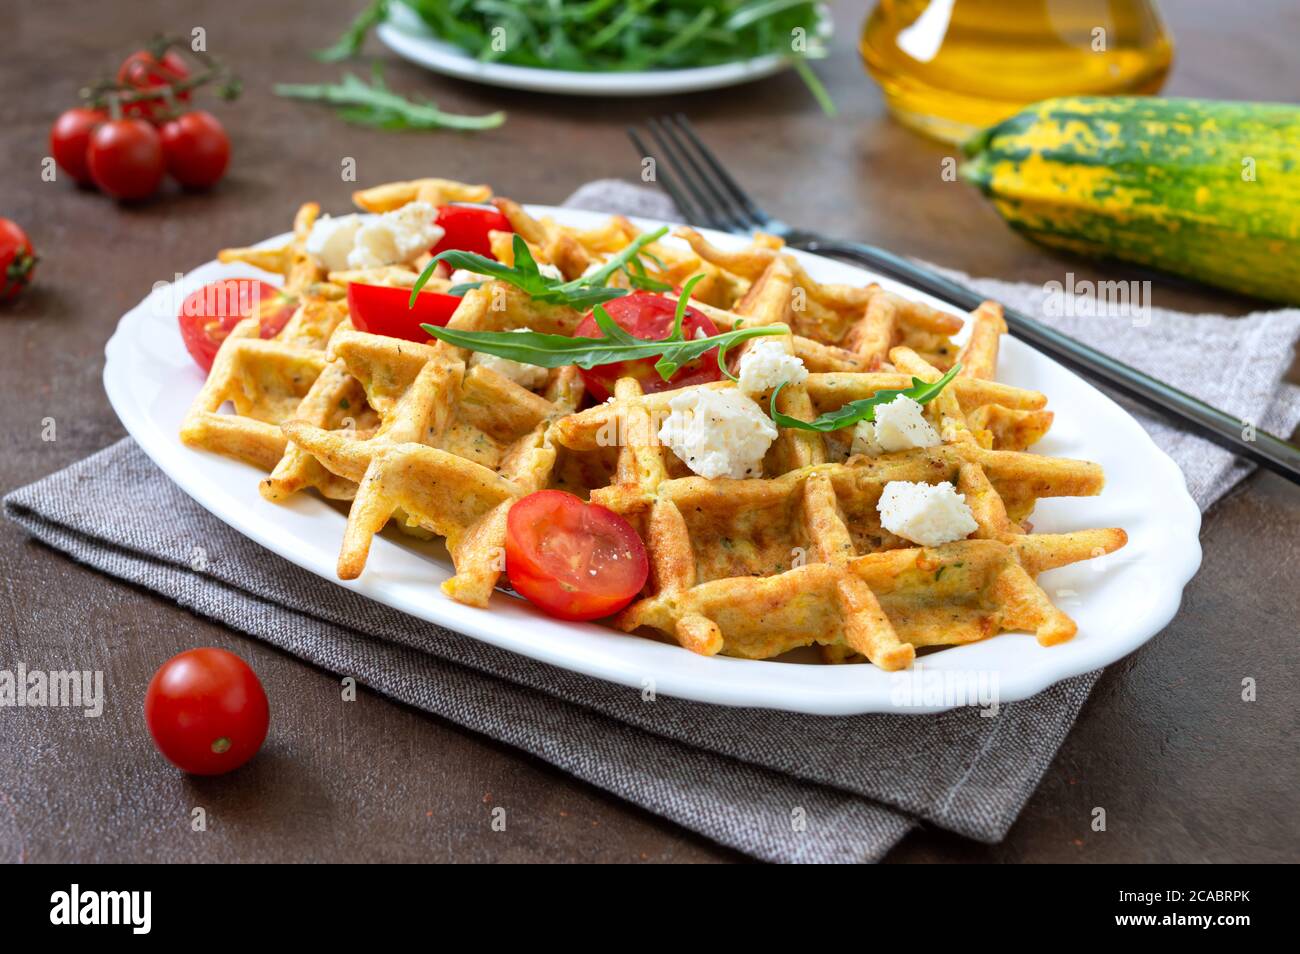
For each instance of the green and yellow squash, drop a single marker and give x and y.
(1205, 189)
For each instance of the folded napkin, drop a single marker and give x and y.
(778, 786)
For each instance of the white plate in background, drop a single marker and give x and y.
(410, 38)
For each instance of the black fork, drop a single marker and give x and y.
(709, 196)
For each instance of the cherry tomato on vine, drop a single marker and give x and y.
(196, 149)
(144, 71)
(650, 316)
(126, 158)
(207, 711)
(17, 260)
(209, 313)
(381, 310)
(467, 228)
(70, 140)
(572, 559)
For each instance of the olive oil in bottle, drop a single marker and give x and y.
(951, 67)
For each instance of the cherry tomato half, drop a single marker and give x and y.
(70, 140)
(207, 711)
(209, 313)
(144, 71)
(125, 158)
(467, 228)
(17, 260)
(649, 316)
(384, 310)
(572, 559)
(196, 149)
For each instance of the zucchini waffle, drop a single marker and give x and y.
(794, 554)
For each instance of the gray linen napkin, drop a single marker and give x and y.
(778, 786)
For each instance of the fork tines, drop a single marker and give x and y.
(701, 187)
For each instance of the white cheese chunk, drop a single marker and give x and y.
(396, 237)
(550, 271)
(331, 239)
(463, 276)
(864, 440)
(898, 426)
(766, 364)
(526, 375)
(718, 432)
(928, 514)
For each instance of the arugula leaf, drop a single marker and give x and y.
(555, 351)
(374, 104)
(581, 294)
(350, 42)
(618, 344)
(922, 392)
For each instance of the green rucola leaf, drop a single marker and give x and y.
(581, 293)
(922, 392)
(350, 42)
(375, 104)
(555, 351)
(673, 359)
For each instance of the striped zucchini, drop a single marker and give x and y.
(1205, 189)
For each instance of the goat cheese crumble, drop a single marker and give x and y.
(718, 433)
(396, 237)
(525, 375)
(898, 426)
(928, 514)
(766, 364)
(373, 241)
(331, 239)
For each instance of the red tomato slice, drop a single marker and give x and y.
(382, 310)
(208, 314)
(649, 316)
(207, 711)
(467, 228)
(572, 559)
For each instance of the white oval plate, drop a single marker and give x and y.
(1119, 601)
(406, 35)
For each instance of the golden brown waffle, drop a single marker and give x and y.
(758, 567)
(798, 556)
(254, 385)
(454, 447)
(424, 435)
(264, 381)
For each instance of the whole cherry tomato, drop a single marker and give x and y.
(209, 313)
(196, 148)
(467, 228)
(207, 711)
(144, 71)
(650, 316)
(572, 559)
(126, 158)
(70, 140)
(17, 260)
(382, 310)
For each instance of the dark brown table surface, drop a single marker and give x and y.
(1185, 769)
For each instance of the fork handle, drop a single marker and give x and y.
(1264, 449)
